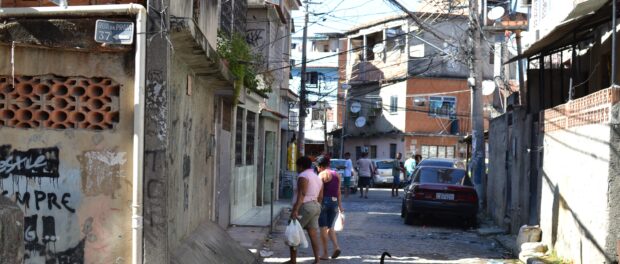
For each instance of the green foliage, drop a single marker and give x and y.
(241, 62)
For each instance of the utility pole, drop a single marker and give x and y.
(344, 123)
(475, 81)
(325, 143)
(302, 89)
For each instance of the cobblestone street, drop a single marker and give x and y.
(374, 226)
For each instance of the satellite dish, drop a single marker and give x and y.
(496, 12)
(360, 121)
(345, 86)
(356, 107)
(488, 87)
(378, 48)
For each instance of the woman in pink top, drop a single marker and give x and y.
(307, 208)
(330, 205)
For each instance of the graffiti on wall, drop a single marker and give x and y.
(33, 163)
(254, 37)
(31, 178)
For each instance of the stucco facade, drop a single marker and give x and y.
(74, 184)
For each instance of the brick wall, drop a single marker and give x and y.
(33, 3)
(594, 108)
(418, 119)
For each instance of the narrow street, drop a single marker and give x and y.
(374, 226)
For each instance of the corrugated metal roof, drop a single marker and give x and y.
(573, 28)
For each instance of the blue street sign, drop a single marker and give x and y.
(114, 32)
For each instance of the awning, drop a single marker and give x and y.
(575, 27)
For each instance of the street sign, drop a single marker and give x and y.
(114, 32)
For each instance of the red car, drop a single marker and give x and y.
(440, 191)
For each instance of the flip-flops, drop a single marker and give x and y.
(336, 254)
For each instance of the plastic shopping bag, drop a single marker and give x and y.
(339, 221)
(291, 234)
(303, 242)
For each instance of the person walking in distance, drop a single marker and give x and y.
(396, 170)
(332, 203)
(307, 208)
(348, 172)
(410, 164)
(366, 170)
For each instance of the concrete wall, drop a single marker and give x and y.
(613, 239)
(575, 201)
(191, 171)
(77, 196)
(508, 183)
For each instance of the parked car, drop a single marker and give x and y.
(339, 166)
(440, 191)
(384, 173)
(442, 162)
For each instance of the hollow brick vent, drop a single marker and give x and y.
(49, 101)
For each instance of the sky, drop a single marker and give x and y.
(341, 15)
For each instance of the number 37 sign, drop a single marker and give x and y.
(114, 32)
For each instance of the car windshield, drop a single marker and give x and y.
(384, 164)
(337, 164)
(443, 175)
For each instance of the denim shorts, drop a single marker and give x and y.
(329, 211)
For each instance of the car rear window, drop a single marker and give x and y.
(437, 163)
(338, 164)
(384, 164)
(443, 175)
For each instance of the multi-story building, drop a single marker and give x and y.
(408, 90)
(321, 86)
(258, 117)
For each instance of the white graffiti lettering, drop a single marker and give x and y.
(12, 164)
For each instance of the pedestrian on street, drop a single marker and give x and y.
(307, 208)
(396, 170)
(366, 170)
(410, 166)
(332, 203)
(348, 172)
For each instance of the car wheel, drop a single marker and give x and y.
(372, 183)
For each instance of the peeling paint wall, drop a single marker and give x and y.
(73, 184)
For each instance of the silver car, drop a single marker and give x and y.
(384, 173)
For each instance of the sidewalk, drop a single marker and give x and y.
(251, 230)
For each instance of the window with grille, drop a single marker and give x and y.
(392, 151)
(437, 151)
(442, 106)
(373, 152)
(239, 137)
(250, 137)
